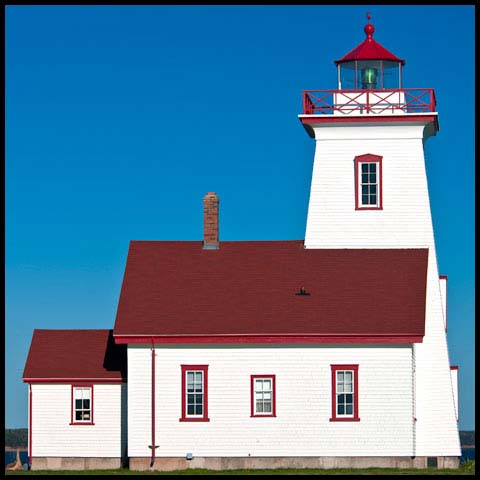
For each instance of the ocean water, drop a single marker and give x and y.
(467, 454)
(11, 456)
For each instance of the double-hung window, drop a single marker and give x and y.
(368, 182)
(82, 405)
(344, 393)
(262, 394)
(194, 393)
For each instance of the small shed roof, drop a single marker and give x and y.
(66, 355)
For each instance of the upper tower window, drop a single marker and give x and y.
(368, 182)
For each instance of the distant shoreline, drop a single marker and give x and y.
(14, 449)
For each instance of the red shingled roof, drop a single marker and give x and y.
(249, 288)
(58, 355)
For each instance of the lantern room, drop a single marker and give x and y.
(369, 66)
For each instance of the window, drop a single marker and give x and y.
(82, 405)
(194, 393)
(262, 394)
(344, 393)
(368, 182)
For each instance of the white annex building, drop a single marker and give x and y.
(325, 352)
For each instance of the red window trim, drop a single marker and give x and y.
(368, 158)
(252, 397)
(72, 404)
(334, 417)
(204, 417)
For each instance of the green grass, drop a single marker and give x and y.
(467, 468)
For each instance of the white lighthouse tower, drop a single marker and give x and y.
(369, 191)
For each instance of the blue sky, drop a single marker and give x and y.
(120, 118)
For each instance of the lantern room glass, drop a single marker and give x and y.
(369, 75)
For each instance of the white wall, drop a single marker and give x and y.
(404, 222)
(303, 402)
(53, 436)
(333, 222)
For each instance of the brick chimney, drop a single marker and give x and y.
(210, 221)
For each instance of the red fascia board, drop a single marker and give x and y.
(369, 119)
(269, 339)
(70, 380)
(454, 367)
(443, 277)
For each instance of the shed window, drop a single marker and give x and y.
(82, 405)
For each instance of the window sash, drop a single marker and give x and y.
(368, 184)
(195, 394)
(345, 393)
(82, 405)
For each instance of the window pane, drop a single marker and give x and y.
(373, 167)
(340, 409)
(190, 410)
(198, 377)
(364, 167)
(198, 387)
(78, 415)
(190, 399)
(267, 395)
(348, 377)
(373, 178)
(86, 415)
(78, 393)
(78, 404)
(260, 406)
(198, 398)
(267, 385)
(339, 376)
(349, 398)
(365, 200)
(349, 409)
(373, 199)
(258, 385)
(86, 404)
(340, 388)
(364, 189)
(373, 189)
(258, 395)
(190, 387)
(267, 407)
(341, 398)
(189, 377)
(199, 409)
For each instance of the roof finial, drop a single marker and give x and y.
(369, 28)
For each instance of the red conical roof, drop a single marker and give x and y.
(369, 49)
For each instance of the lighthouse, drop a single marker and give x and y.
(369, 191)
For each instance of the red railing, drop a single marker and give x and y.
(404, 100)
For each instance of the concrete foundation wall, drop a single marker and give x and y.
(75, 463)
(238, 463)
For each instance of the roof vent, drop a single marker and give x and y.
(302, 292)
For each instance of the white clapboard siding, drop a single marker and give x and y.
(404, 222)
(53, 436)
(302, 426)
